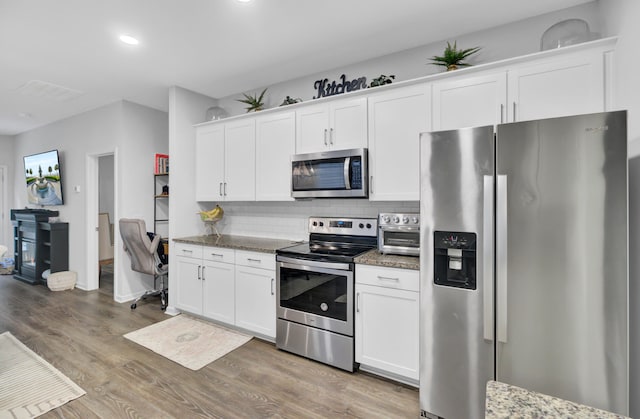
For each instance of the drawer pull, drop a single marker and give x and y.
(254, 260)
(187, 251)
(388, 278)
(217, 255)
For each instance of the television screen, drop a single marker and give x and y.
(44, 184)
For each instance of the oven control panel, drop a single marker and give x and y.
(344, 226)
(397, 219)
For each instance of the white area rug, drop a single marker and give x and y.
(190, 342)
(29, 385)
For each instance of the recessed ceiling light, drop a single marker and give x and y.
(129, 40)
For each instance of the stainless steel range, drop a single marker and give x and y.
(315, 290)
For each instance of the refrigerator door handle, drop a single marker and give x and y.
(501, 259)
(487, 258)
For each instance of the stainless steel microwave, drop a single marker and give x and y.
(331, 174)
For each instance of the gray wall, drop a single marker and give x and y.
(7, 162)
(506, 41)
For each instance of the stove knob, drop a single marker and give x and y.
(321, 224)
(405, 219)
(415, 220)
(396, 219)
(315, 223)
(361, 225)
(368, 225)
(385, 218)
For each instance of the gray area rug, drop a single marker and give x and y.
(191, 342)
(29, 385)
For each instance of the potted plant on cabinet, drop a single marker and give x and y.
(452, 56)
(255, 102)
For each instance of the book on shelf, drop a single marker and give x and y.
(161, 164)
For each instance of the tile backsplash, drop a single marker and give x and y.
(289, 220)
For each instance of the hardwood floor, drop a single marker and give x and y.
(80, 333)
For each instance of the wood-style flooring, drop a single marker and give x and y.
(80, 333)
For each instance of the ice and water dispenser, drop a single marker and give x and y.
(454, 261)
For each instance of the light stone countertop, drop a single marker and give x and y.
(374, 257)
(252, 244)
(507, 401)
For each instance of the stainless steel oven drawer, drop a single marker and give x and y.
(321, 345)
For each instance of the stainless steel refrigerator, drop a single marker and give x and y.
(524, 263)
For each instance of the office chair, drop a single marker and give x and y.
(143, 253)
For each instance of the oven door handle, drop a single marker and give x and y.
(309, 265)
(409, 229)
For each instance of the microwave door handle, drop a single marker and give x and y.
(347, 165)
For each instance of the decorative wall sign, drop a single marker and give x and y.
(325, 88)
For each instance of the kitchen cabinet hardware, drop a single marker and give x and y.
(273, 280)
(388, 278)
(199, 272)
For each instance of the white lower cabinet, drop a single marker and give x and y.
(205, 284)
(256, 293)
(387, 321)
(234, 287)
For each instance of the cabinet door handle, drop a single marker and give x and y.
(514, 111)
(225, 189)
(501, 113)
(199, 272)
(325, 136)
(357, 302)
(203, 268)
(331, 136)
(388, 278)
(220, 192)
(272, 281)
(371, 184)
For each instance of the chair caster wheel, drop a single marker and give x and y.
(163, 308)
(133, 306)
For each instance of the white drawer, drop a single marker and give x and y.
(187, 250)
(218, 254)
(404, 279)
(256, 259)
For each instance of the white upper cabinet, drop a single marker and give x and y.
(336, 125)
(240, 161)
(557, 86)
(275, 143)
(396, 119)
(541, 88)
(226, 161)
(209, 162)
(470, 101)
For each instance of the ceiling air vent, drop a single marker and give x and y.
(46, 90)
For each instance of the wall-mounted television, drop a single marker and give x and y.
(44, 181)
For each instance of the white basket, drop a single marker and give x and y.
(60, 281)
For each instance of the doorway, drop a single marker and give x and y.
(101, 229)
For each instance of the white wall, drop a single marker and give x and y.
(497, 43)
(8, 160)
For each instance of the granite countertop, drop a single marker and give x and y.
(252, 244)
(507, 401)
(374, 257)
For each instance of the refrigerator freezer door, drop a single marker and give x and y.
(456, 195)
(566, 267)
